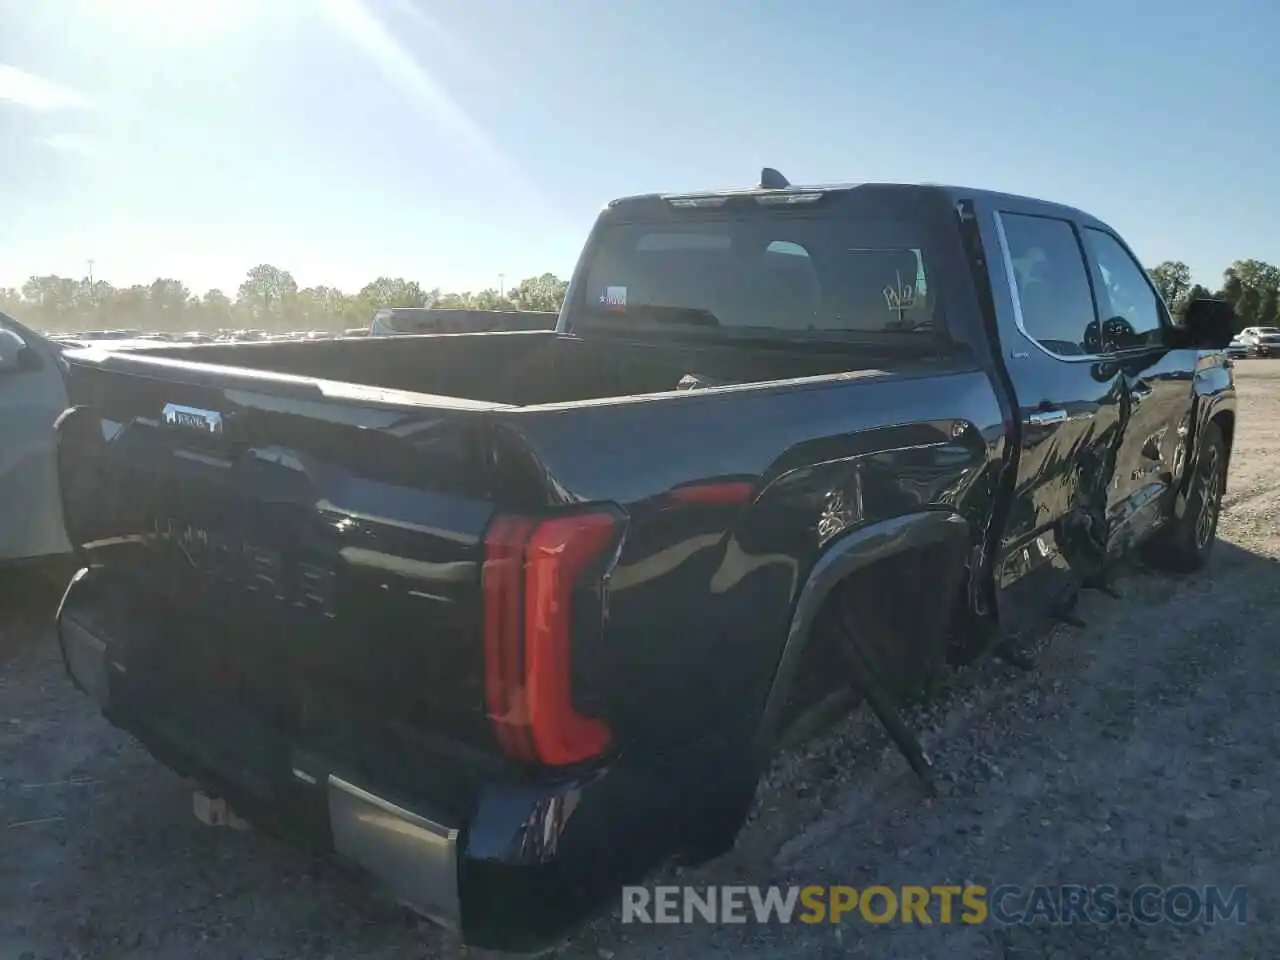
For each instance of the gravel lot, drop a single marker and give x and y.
(1143, 749)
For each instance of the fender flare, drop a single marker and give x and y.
(849, 554)
(1209, 407)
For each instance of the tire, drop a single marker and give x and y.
(1186, 544)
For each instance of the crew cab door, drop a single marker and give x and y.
(1068, 400)
(32, 395)
(1159, 389)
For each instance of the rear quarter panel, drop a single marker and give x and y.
(706, 586)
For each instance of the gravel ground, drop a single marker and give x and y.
(1142, 749)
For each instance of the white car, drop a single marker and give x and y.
(1261, 341)
(32, 396)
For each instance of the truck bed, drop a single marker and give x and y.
(517, 368)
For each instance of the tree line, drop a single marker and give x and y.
(268, 299)
(1252, 287)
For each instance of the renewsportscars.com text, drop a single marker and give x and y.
(946, 904)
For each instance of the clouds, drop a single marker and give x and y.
(26, 90)
(44, 104)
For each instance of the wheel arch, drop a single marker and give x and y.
(940, 533)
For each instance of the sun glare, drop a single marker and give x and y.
(175, 20)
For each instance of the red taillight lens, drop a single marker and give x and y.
(531, 571)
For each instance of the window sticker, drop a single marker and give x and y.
(615, 299)
(901, 297)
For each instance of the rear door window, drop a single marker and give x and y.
(1051, 284)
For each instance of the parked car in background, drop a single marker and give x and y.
(32, 397)
(1237, 348)
(393, 321)
(1262, 341)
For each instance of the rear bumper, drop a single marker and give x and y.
(413, 856)
(519, 871)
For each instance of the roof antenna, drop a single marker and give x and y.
(771, 179)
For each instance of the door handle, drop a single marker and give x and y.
(1139, 391)
(1047, 418)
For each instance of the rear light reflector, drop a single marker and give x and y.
(730, 493)
(531, 571)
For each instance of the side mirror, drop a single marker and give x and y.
(1206, 325)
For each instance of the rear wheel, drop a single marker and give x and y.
(1188, 541)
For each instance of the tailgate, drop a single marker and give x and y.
(284, 554)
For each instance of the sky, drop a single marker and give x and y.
(457, 141)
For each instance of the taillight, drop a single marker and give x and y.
(532, 570)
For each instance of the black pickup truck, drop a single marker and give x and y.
(507, 618)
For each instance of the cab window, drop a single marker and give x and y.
(1131, 310)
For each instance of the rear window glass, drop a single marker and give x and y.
(782, 273)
